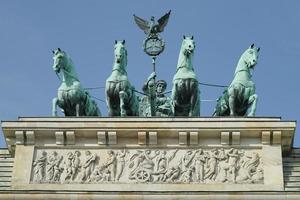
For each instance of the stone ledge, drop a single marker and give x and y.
(29, 195)
(151, 119)
(168, 131)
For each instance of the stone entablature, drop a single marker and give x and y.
(148, 154)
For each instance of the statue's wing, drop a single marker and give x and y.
(143, 24)
(162, 22)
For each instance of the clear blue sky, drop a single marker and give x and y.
(29, 30)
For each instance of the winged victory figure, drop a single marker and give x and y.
(151, 27)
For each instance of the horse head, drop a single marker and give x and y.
(120, 54)
(63, 63)
(188, 46)
(60, 60)
(250, 56)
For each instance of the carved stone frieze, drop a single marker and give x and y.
(172, 166)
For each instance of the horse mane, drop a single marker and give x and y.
(241, 64)
(71, 66)
(126, 60)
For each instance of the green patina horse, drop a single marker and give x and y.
(240, 98)
(185, 92)
(120, 97)
(71, 97)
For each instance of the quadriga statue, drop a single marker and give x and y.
(239, 99)
(71, 97)
(120, 97)
(185, 92)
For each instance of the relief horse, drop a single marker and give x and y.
(71, 97)
(120, 97)
(185, 92)
(240, 96)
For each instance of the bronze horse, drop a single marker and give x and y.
(120, 97)
(185, 92)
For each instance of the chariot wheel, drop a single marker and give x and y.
(142, 175)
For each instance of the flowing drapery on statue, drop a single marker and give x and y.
(71, 97)
(185, 92)
(240, 98)
(120, 97)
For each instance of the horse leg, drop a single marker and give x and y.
(231, 105)
(122, 96)
(54, 106)
(194, 109)
(134, 102)
(109, 91)
(77, 110)
(109, 106)
(174, 96)
(252, 102)
(231, 100)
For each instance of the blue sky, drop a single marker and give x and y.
(29, 30)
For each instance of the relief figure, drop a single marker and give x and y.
(162, 164)
(67, 173)
(53, 167)
(233, 155)
(211, 166)
(199, 163)
(222, 169)
(120, 163)
(75, 164)
(111, 164)
(248, 168)
(88, 166)
(40, 168)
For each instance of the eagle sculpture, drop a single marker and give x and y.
(152, 28)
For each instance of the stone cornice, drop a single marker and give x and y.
(49, 131)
